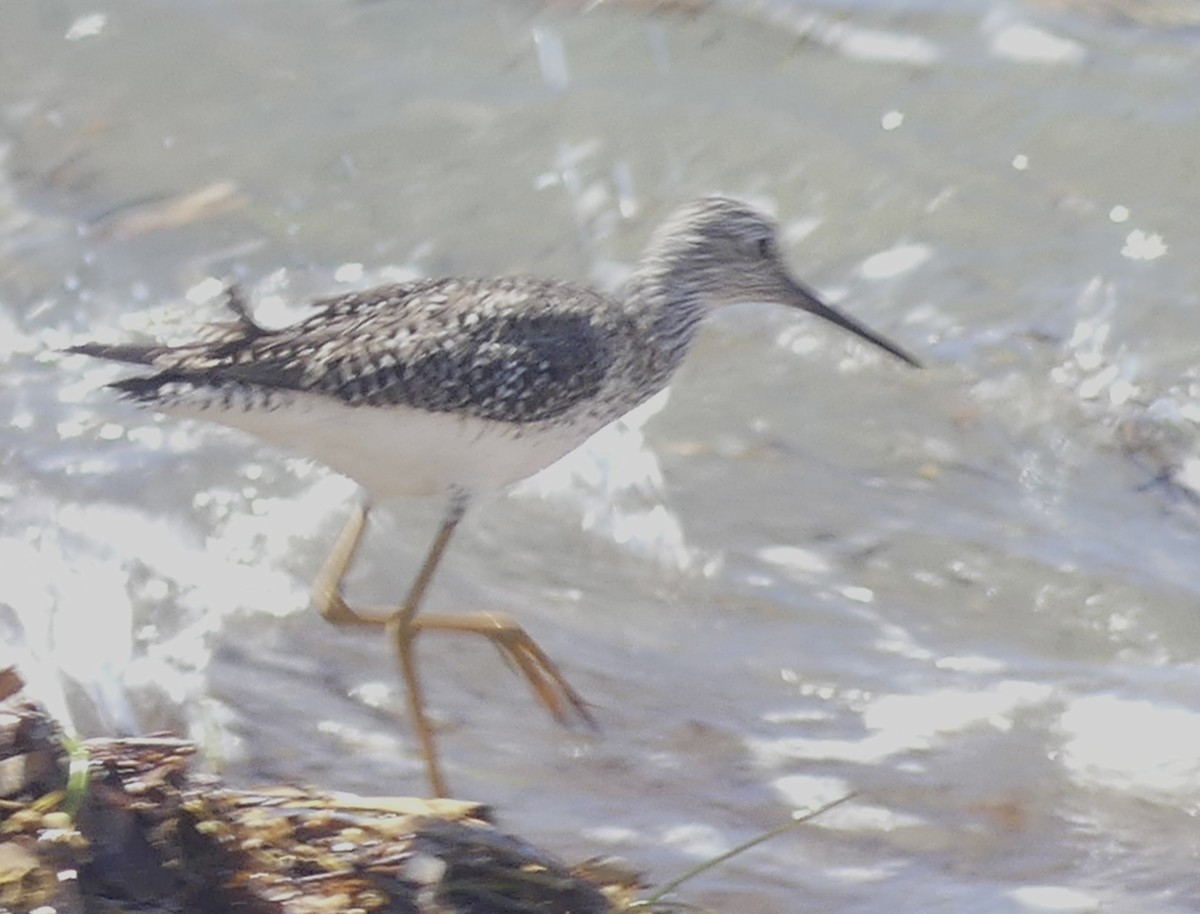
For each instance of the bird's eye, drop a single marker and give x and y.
(764, 248)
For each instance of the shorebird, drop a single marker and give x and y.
(456, 387)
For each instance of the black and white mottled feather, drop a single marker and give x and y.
(517, 364)
(508, 350)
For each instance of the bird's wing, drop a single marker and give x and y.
(517, 350)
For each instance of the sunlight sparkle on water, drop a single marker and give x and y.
(552, 57)
(1143, 245)
(1025, 43)
(616, 479)
(373, 694)
(696, 840)
(1132, 745)
(858, 43)
(893, 262)
(899, 724)
(806, 563)
(858, 594)
(349, 272)
(1055, 898)
(204, 291)
(88, 26)
(805, 792)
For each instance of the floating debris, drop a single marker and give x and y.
(150, 833)
(146, 216)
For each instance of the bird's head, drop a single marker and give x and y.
(720, 251)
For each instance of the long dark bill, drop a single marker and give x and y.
(809, 302)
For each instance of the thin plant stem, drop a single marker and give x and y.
(795, 822)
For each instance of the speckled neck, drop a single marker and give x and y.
(667, 305)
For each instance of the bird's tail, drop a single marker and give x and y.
(124, 352)
(213, 336)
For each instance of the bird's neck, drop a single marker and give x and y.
(667, 307)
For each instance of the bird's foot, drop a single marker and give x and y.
(516, 646)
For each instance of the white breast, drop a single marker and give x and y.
(397, 450)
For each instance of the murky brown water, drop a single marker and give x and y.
(968, 592)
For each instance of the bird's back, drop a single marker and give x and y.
(516, 349)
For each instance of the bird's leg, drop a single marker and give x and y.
(403, 625)
(327, 589)
(514, 643)
(403, 633)
(516, 646)
(327, 594)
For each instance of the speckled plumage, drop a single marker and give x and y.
(513, 349)
(520, 352)
(464, 385)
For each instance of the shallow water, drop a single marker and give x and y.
(968, 592)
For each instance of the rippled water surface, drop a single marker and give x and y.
(968, 592)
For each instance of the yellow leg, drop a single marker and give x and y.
(517, 647)
(327, 589)
(403, 625)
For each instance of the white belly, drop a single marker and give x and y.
(396, 450)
